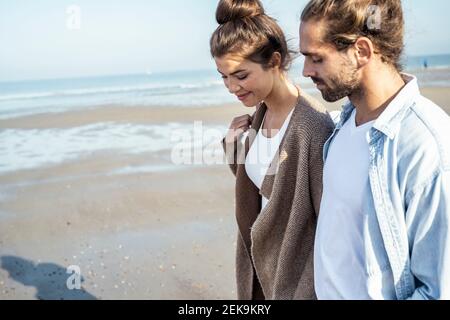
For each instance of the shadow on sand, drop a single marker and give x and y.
(48, 278)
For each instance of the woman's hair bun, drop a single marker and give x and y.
(230, 10)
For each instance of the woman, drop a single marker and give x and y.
(278, 167)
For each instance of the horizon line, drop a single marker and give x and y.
(159, 72)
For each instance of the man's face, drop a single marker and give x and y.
(334, 72)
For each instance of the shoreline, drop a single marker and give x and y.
(218, 114)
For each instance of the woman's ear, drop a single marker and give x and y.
(275, 61)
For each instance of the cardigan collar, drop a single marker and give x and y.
(258, 117)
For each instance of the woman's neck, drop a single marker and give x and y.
(280, 103)
(282, 98)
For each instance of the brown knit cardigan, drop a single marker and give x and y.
(274, 258)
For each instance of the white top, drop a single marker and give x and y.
(342, 244)
(262, 153)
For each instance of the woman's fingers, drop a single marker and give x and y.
(244, 120)
(238, 126)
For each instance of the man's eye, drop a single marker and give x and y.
(224, 77)
(317, 60)
(242, 77)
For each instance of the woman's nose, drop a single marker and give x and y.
(233, 87)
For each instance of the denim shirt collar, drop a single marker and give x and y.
(389, 121)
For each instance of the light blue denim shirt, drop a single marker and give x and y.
(409, 195)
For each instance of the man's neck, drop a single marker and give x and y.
(377, 90)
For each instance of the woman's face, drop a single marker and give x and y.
(246, 79)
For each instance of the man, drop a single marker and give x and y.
(383, 229)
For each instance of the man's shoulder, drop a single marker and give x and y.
(425, 130)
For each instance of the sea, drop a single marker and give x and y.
(29, 149)
(183, 89)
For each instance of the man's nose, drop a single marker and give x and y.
(308, 70)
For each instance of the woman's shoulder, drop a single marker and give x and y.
(311, 111)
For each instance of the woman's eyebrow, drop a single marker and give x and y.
(233, 73)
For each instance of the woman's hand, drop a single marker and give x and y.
(238, 126)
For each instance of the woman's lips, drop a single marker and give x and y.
(243, 97)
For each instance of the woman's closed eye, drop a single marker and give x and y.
(239, 77)
(242, 77)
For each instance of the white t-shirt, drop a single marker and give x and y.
(342, 246)
(262, 153)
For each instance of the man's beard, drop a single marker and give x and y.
(345, 83)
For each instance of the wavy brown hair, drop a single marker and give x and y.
(245, 30)
(347, 20)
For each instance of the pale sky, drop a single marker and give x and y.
(136, 36)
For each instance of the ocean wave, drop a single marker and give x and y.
(156, 88)
(27, 149)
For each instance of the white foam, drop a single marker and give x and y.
(110, 89)
(148, 169)
(27, 149)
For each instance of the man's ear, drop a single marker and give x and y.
(364, 51)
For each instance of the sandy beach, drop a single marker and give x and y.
(136, 225)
